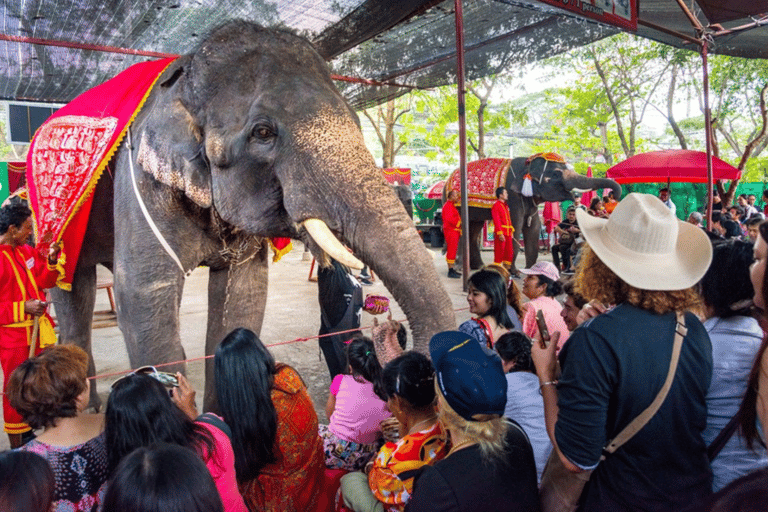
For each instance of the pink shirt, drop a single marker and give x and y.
(222, 468)
(358, 411)
(552, 318)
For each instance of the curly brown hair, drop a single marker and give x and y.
(47, 386)
(595, 281)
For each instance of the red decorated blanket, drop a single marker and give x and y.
(483, 178)
(70, 151)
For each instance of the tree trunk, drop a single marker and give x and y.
(670, 115)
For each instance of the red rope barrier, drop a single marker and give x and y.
(276, 344)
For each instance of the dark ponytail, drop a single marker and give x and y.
(362, 359)
(412, 378)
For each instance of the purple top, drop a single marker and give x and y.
(80, 472)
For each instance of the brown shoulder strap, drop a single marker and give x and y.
(638, 423)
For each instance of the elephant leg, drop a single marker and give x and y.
(148, 299)
(237, 297)
(517, 215)
(475, 232)
(532, 231)
(74, 312)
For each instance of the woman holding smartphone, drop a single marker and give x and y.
(141, 412)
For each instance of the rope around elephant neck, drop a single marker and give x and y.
(152, 225)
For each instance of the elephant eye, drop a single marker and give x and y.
(263, 133)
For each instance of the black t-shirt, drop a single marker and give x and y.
(336, 288)
(464, 482)
(613, 366)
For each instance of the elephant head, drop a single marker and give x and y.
(251, 126)
(551, 178)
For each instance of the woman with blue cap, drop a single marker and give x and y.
(490, 465)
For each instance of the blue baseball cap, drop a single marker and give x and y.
(470, 377)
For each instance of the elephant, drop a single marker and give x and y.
(245, 138)
(551, 180)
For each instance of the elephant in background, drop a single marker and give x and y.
(245, 138)
(551, 180)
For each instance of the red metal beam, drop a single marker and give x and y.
(459, 18)
(84, 46)
(161, 55)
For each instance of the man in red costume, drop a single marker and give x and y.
(451, 231)
(24, 274)
(503, 230)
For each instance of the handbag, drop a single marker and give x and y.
(560, 489)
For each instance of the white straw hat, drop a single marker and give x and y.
(646, 245)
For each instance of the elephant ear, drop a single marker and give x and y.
(170, 148)
(540, 162)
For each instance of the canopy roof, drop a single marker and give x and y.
(410, 43)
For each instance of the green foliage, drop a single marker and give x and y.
(436, 119)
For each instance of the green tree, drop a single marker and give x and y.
(616, 82)
(437, 118)
(384, 118)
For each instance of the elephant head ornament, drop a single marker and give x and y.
(246, 138)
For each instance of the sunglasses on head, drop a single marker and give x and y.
(168, 380)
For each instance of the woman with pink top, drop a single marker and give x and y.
(541, 286)
(353, 436)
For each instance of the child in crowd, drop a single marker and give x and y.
(165, 477)
(26, 482)
(408, 383)
(351, 439)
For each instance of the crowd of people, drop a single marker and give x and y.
(643, 375)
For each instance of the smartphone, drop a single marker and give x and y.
(543, 331)
(168, 380)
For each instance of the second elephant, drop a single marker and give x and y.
(551, 180)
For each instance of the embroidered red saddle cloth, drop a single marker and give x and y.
(483, 178)
(71, 150)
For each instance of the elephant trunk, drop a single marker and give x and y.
(584, 183)
(349, 193)
(387, 240)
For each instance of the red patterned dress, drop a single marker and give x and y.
(294, 482)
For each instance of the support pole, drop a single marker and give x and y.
(707, 128)
(462, 139)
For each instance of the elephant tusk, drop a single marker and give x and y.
(322, 235)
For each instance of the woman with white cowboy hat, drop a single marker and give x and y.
(541, 286)
(644, 262)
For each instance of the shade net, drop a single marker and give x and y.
(401, 42)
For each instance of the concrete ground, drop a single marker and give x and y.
(292, 313)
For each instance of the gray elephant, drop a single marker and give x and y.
(550, 179)
(243, 139)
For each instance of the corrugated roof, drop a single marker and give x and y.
(405, 42)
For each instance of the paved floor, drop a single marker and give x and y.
(292, 313)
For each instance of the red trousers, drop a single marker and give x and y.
(503, 252)
(452, 245)
(11, 357)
